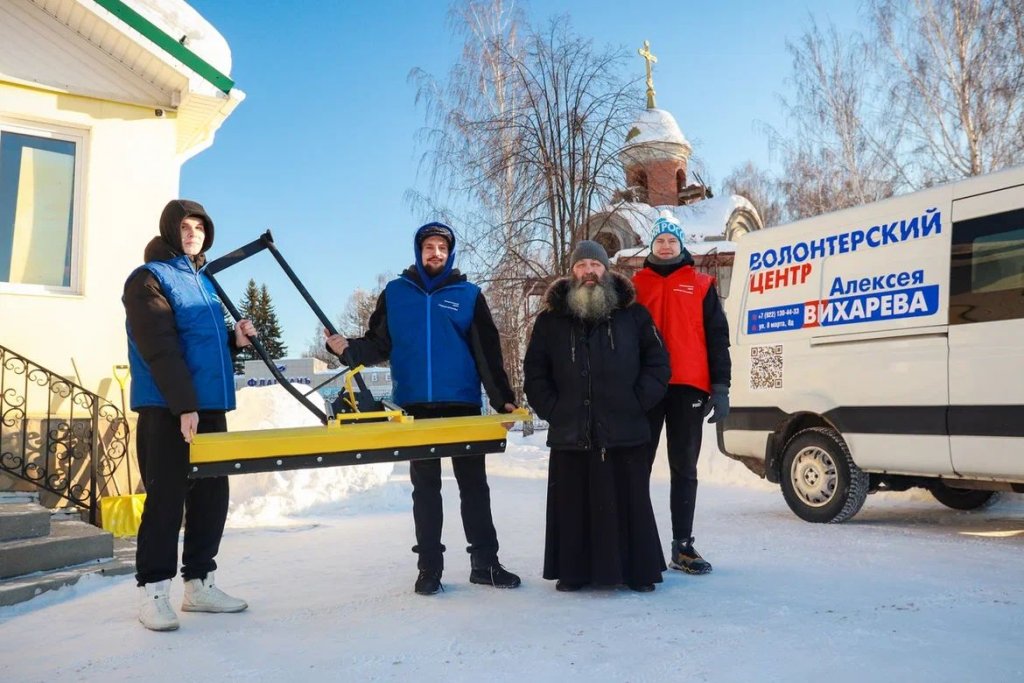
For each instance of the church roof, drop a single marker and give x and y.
(700, 221)
(655, 126)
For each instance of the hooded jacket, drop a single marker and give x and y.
(685, 306)
(594, 383)
(179, 348)
(439, 335)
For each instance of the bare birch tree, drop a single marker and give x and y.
(757, 185)
(844, 151)
(522, 141)
(957, 69)
(934, 91)
(352, 322)
(526, 134)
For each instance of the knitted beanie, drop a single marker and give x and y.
(588, 249)
(667, 225)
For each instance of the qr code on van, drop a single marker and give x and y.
(766, 367)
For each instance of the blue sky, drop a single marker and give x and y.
(324, 147)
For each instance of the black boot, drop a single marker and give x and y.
(494, 575)
(563, 586)
(686, 558)
(428, 582)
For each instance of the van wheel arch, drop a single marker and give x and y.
(781, 437)
(819, 479)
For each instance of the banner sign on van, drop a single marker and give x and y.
(915, 227)
(890, 305)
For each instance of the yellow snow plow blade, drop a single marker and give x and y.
(350, 440)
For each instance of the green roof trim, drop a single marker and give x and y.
(167, 43)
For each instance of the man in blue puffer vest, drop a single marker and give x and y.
(180, 352)
(437, 330)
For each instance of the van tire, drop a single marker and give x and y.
(819, 479)
(962, 499)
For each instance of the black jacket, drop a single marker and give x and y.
(375, 346)
(594, 384)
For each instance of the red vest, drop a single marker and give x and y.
(676, 303)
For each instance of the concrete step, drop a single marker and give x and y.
(69, 543)
(18, 497)
(23, 520)
(22, 588)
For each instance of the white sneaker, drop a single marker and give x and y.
(201, 595)
(155, 611)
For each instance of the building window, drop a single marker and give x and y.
(40, 177)
(636, 180)
(610, 242)
(987, 272)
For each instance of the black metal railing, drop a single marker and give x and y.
(60, 437)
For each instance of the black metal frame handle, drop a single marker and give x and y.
(266, 242)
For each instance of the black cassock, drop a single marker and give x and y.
(600, 522)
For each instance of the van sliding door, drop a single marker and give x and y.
(986, 335)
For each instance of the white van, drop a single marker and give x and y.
(882, 347)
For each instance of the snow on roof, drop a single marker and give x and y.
(720, 246)
(707, 218)
(655, 125)
(700, 221)
(179, 20)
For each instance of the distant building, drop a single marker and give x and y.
(314, 374)
(655, 160)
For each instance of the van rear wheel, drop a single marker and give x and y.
(819, 479)
(962, 499)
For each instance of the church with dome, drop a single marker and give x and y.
(655, 159)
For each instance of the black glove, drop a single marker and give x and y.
(718, 403)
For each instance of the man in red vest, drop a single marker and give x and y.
(689, 315)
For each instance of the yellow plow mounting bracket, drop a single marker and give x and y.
(354, 442)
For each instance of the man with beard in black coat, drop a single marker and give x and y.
(594, 366)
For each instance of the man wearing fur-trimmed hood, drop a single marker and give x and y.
(594, 366)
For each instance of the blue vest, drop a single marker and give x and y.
(202, 335)
(431, 357)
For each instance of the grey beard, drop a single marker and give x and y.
(592, 303)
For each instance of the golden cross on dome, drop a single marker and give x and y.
(649, 58)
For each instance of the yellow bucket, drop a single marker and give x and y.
(121, 515)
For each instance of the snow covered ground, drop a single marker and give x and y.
(906, 590)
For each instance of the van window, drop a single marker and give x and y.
(986, 281)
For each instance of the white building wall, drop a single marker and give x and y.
(130, 171)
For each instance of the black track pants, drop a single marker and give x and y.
(474, 493)
(163, 460)
(682, 414)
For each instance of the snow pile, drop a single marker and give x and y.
(526, 457)
(270, 498)
(183, 23)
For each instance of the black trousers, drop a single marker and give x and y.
(163, 460)
(682, 413)
(474, 494)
